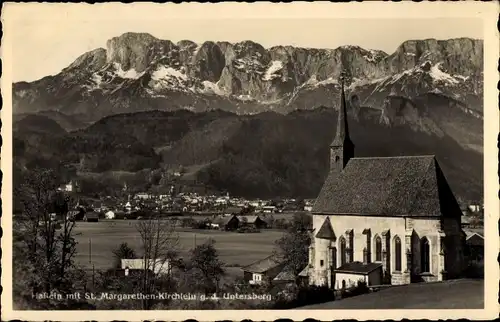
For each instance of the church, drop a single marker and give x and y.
(383, 220)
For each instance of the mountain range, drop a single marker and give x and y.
(249, 119)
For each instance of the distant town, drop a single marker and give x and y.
(133, 206)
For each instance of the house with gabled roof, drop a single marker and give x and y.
(227, 222)
(398, 212)
(252, 221)
(262, 271)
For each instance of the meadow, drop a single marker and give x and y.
(235, 249)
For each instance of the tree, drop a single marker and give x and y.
(301, 221)
(206, 265)
(160, 244)
(123, 251)
(44, 247)
(292, 249)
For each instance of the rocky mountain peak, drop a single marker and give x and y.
(91, 61)
(137, 50)
(462, 56)
(186, 44)
(139, 71)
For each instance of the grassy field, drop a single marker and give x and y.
(453, 294)
(234, 249)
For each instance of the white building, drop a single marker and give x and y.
(159, 266)
(109, 215)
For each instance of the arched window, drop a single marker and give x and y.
(337, 158)
(397, 257)
(378, 249)
(424, 255)
(342, 251)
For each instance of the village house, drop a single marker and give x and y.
(262, 271)
(233, 211)
(98, 206)
(252, 221)
(128, 273)
(474, 207)
(143, 196)
(397, 212)
(284, 277)
(74, 215)
(475, 245)
(269, 209)
(256, 203)
(159, 267)
(91, 216)
(68, 187)
(227, 222)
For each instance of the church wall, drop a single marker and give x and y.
(377, 225)
(340, 224)
(428, 228)
(454, 247)
(432, 229)
(321, 272)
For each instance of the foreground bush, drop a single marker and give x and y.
(308, 295)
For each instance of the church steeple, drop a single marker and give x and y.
(342, 148)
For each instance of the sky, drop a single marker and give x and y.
(47, 39)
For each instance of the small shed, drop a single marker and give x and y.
(228, 222)
(284, 277)
(262, 271)
(474, 245)
(349, 274)
(303, 277)
(91, 216)
(254, 221)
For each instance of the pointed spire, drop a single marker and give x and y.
(342, 134)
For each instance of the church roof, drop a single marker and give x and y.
(326, 231)
(388, 186)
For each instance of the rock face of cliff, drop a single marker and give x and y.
(138, 72)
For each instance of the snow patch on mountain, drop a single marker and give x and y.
(127, 74)
(314, 82)
(436, 91)
(97, 80)
(438, 75)
(245, 97)
(461, 77)
(276, 65)
(167, 72)
(248, 64)
(371, 57)
(212, 88)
